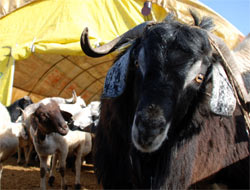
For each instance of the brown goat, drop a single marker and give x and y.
(47, 124)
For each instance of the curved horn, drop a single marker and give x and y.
(242, 54)
(223, 48)
(73, 99)
(231, 65)
(27, 98)
(24, 115)
(112, 45)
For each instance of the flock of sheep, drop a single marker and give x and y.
(54, 127)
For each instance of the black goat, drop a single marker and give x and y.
(14, 108)
(168, 115)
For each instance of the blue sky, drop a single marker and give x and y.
(236, 12)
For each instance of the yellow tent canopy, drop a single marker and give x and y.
(44, 35)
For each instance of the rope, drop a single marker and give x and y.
(235, 85)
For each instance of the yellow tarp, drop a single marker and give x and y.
(6, 78)
(45, 34)
(7, 6)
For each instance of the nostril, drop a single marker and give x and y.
(151, 107)
(63, 126)
(140, 127)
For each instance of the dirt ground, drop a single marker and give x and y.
(20, 177)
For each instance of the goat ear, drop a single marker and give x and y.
(66, 115)
(34, 121)
(222, 101)
(115, 81)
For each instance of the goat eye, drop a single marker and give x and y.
(43, 117)
(199, 78)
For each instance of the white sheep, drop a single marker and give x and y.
(74, 104)
(9, 134)
(78, 142)
(53, 143)
(75, 142)
(87, 117)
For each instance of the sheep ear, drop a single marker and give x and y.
(222, 101)
(115, 81)
(66, 115)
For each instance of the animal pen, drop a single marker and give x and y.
(40, 51)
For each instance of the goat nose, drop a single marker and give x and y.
(151, 107)
(65, 125)
(139, 124)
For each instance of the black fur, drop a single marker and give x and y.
(170, 50)
(14, 110)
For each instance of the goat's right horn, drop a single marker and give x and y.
(73, 99)
(27, 98)
(231, 66)
(112, 45)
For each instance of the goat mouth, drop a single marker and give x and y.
(149, 140)
(63, 130)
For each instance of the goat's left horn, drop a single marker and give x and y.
(73, 99)
(225, 51)
(112, 45)
(27, 98)
(24, 115)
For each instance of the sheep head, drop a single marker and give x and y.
(48, 118)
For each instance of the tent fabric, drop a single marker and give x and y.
(44, 37)
(6, 77)
(8, 6)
